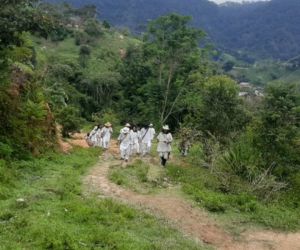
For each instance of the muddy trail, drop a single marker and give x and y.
(191, 221)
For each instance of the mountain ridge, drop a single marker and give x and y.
(262, 29)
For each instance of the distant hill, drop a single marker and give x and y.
(263, 29)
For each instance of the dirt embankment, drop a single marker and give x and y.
(77, 139)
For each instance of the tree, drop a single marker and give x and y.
(135, 73)
(228, 66)
(84, 55)
(221, 113)
(93, 28)
(276, 131)
(172, 48)
(26, 119)
(106, 24)
(19, 16)
(105, 89)
(70, 120)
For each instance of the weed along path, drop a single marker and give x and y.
(189, 220)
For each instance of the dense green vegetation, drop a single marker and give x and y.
(62, 66)
(261, 72)
(204, 187)
(254, 30)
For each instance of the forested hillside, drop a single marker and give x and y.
(62, 70)
(257, 30)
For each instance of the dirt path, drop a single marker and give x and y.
(191, 221)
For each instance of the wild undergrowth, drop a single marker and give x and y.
(241, 206)
(42, 207)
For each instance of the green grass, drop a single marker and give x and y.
(55, 215)
(105, 52)
(290, 77)
(241, 208)
(235, 210)
(139, 177)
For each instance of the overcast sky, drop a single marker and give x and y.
(237, 1)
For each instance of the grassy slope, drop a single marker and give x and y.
(235, 211)
(291, 77)
(55, 214)
(105, 51)
(263, 72)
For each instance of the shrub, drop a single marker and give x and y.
(61, 71)
(196, 155)
(221, 113)
(93, 28)
(5, 151)
(70, 120)
(82, 38)
(276, 131)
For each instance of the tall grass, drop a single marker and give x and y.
(240, 201)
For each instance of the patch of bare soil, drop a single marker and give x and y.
(77, 139)
(64, 146)
(188, 219)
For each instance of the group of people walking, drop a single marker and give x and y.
(133, 140)
(100, 136)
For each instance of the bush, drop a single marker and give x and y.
(93, 28)
(59, 34)
(276, 131)
(5, 151)
(225, 116)
(61, 71)
(196, 155)
(82, 38)
(70, 120)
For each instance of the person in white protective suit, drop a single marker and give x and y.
(124, 140)
(106, 133)
(126, 126)
(145, 138)
(93, 136)
(134, 145)
(164, 144)
(152, 135)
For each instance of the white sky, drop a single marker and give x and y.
(237, 1)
